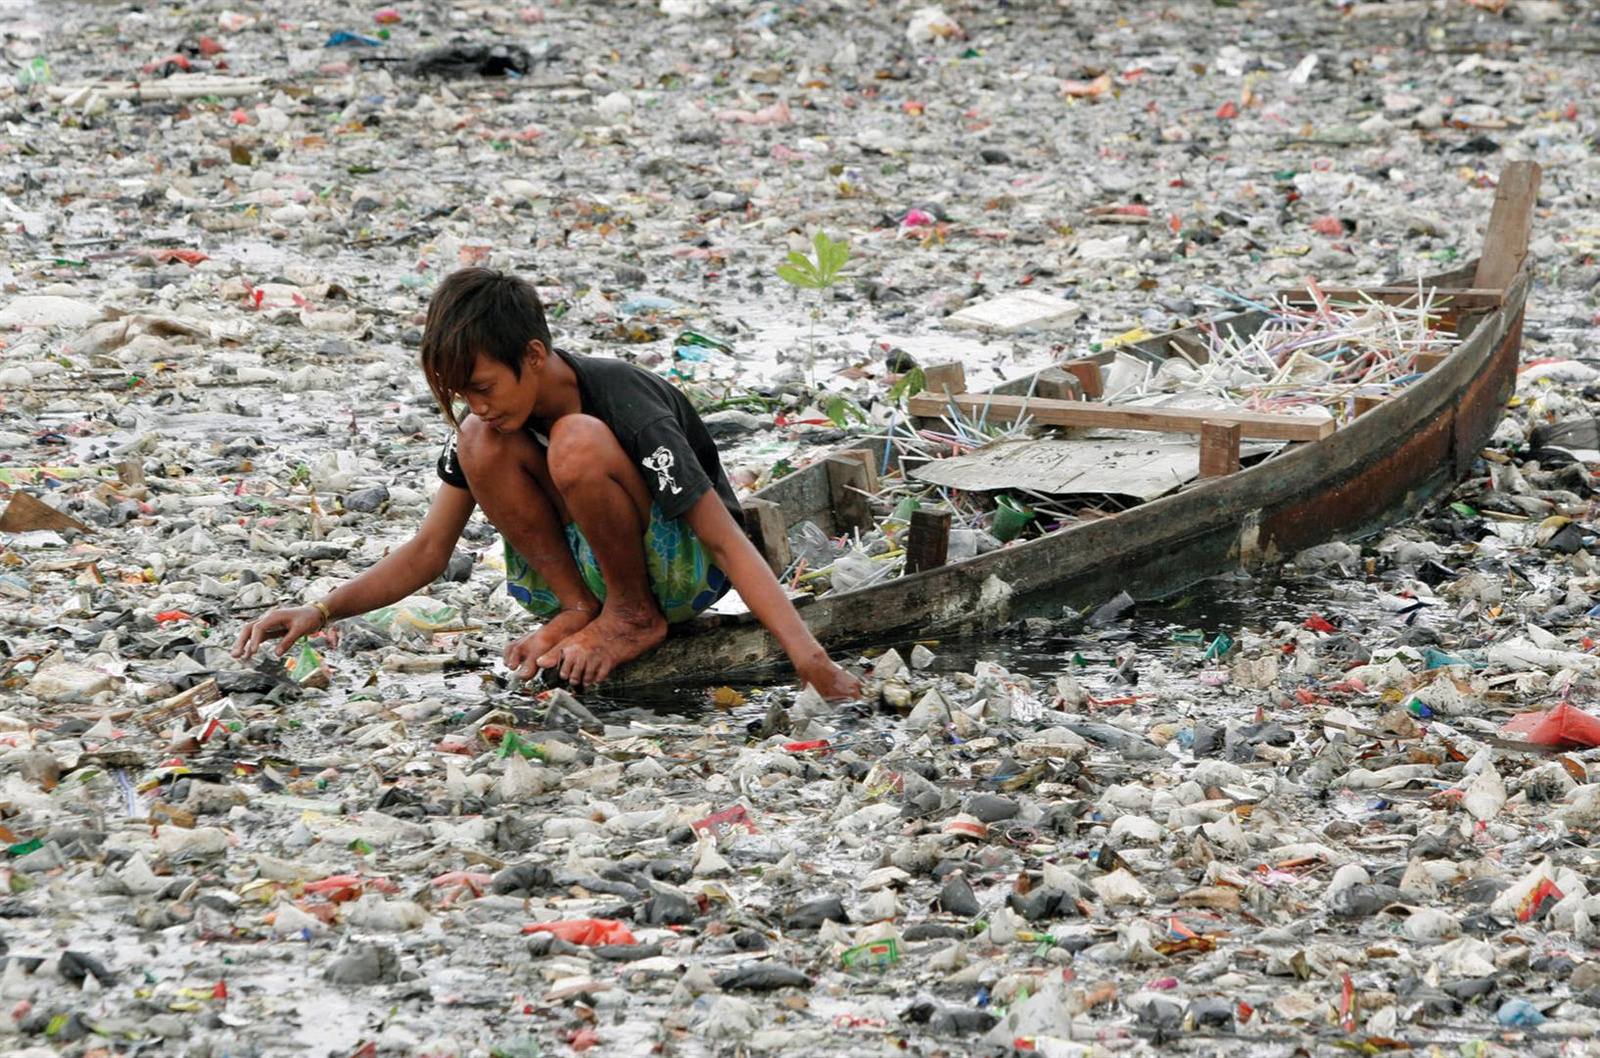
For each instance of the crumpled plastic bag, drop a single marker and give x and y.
(1564, 727)
(586, 931)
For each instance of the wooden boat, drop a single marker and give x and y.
(1346, 483)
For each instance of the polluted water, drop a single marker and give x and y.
(1344, 802)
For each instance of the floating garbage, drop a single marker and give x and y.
(1343, 803)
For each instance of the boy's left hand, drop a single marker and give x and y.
(830, 681)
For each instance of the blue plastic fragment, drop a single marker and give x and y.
(647, 303)
(1519, 1013)
(344, 36)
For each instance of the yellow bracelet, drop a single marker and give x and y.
(322, 608)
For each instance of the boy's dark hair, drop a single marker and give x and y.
(478, 311)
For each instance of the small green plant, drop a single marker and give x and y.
(841, 410)
(909, 384)
(821, 274)
(802, 273)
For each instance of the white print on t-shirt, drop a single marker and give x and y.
(661, 461)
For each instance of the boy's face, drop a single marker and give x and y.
(499, 398)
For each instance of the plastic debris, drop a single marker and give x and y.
(1339, 802)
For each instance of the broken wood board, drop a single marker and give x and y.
(1010, 313)
(180, 86)
(184, 706)
(998, 409)
(1139, 467)
(25, 514)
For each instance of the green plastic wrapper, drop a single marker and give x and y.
(303, 661)
(37, 71)
(510, 743)
(874, 955)
(426, 615)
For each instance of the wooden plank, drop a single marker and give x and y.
(1219, 449)
(25, 513)
(184, 706)
(942, 379)
(763, 523)
(1057, 384)
(867, 459)
(180, 86)
(847, 481)
(1138, 470)
(1365, 402)
(1505, 243)
(1123, 417)
(1428, 361)
(1456, 298)
(928, 540)
(1087, 372)
(1188, 344)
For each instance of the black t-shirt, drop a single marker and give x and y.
(657, 427)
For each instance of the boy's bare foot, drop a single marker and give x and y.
(523, 655)
(587, 656)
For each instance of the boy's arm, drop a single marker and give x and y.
(736, 556)
(411, 566)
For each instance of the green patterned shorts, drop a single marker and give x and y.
(682, 576)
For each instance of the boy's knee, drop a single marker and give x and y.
(477, 446)
(579, 445)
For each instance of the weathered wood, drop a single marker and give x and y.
(1474, 299)
(941, 379)
(1505, 243)
(847, 484)
(1191, 346)
(1428, 361)
(1087, 372)
(1365, 402)
(803, 495)
(763, 522)
(1219, 449)
(868, 460)
(184, 704)
(928, 540)
(1123, 417)
(180, 86)
(25, 513)
(1056, 384)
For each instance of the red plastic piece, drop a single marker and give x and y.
(1564, 727)
(586, 931)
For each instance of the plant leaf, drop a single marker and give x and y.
(909, 384)
(797, 278)
(838, 255)
(829, 260)
(793, 276)
(802, 262)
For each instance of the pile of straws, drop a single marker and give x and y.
(1324, 355)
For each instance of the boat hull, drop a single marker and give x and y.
(1382, 466)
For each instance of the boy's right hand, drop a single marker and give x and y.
(293, 621)
(831, 681)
